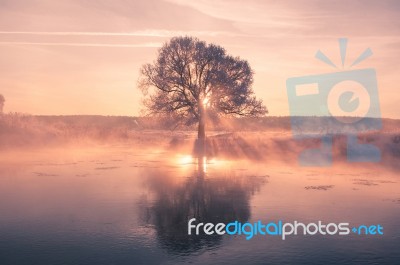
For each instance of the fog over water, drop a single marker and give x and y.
(118, 204)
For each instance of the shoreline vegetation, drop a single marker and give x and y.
(248, 138)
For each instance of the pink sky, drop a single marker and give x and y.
(83, 57)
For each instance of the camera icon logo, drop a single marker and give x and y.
(339, 103)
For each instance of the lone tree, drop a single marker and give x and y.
(2, 100)
(191, 80)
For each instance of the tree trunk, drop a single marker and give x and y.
(201, 134)
(202, 123)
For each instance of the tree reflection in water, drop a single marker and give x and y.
(218, 198)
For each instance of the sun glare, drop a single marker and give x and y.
(185, 159)
(206, 101)
(204, 164)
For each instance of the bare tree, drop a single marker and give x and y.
(2, 100)
(192, 80)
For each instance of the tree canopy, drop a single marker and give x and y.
(191, 79)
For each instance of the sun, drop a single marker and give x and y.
(206, 101)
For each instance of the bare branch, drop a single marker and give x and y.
(187, 71)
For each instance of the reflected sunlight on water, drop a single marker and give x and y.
(117, 206)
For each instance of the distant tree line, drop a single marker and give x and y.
(2, 100)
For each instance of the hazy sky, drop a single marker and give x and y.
(83, 57)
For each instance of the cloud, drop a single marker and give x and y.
(138, 33)
(104, 15)
(111, 45)
(305, 17)
(31, 37)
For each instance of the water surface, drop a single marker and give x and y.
(116, 205)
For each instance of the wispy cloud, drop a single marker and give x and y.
(111, 45)
(141, 33)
